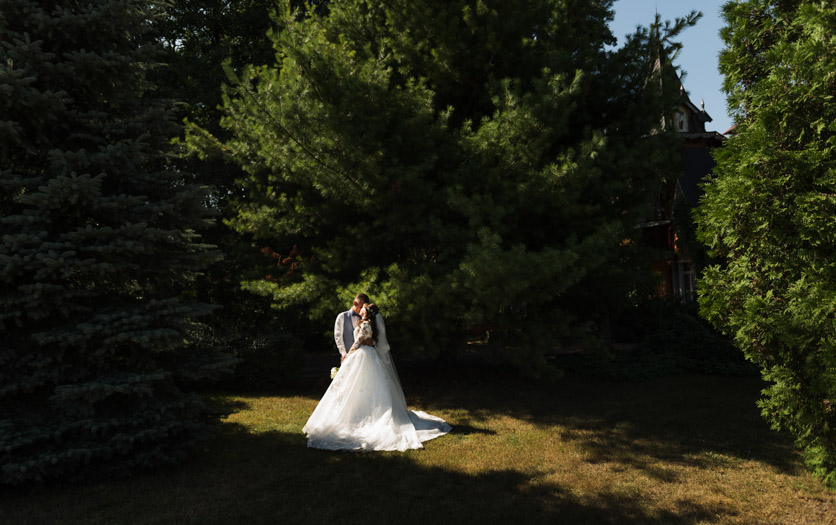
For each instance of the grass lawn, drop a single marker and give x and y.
(689, 449)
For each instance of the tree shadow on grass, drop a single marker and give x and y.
(700, 421)
(468, 430)
(220, 406)
(694, 420)
(273, 477)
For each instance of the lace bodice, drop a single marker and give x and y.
(361, 333)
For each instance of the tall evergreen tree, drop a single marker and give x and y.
(770, 212)
(198, 36)
(97, 236)
(465, 162)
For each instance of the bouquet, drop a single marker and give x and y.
(334, 372)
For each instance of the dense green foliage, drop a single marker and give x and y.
(267, 361)
(98, 237)
(770, 211)
(464, 163)
(198, 37)
(675, 341)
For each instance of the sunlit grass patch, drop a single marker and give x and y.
(679, 450)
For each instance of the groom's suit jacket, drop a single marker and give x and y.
(344, 332)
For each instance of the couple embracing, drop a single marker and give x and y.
(364, 407)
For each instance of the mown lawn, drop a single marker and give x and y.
(687, 449)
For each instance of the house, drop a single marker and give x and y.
(661, 230)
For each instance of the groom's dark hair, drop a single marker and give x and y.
(363, 297)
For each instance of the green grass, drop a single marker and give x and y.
(689, 449)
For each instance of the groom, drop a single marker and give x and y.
(348, 321)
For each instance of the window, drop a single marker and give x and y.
(687, 281)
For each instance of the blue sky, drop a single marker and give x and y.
(701, 46)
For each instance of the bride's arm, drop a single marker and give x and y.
(361, 335)
(355, 346)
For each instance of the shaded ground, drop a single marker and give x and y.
(689, 449)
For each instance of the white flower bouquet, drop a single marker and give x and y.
(334, 371)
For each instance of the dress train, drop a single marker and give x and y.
(364, 409)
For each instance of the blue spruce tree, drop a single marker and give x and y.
(98, 244)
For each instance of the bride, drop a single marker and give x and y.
(364, 407)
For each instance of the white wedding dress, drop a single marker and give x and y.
(364, 407)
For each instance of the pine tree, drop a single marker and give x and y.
(97, 237)
(197, 37)
(465, 162)
(769, 212)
